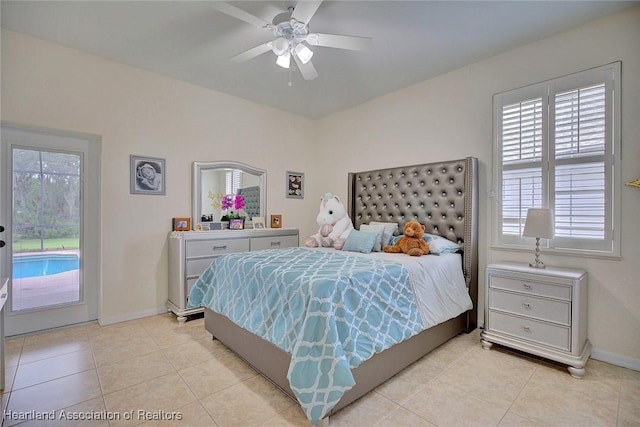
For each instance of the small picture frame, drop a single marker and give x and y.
(276, 221)
(202, 226)
(181, 224)
(258, 223)
(147, 175)
(236, 224)
(295, 185)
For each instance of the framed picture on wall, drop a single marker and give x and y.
(147, 175)
(295, 185)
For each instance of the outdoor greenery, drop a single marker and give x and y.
(31, 245)
(46, 198)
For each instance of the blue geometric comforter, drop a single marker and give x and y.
(330, 310)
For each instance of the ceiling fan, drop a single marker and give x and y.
(291, 32)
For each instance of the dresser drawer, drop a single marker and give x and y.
(531, 287)
(274, 242)
(197, 248)
(195, 267)
(190, 283)
(531, 330)
(531, 306)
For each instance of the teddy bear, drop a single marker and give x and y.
(411, 242)
(333, 222)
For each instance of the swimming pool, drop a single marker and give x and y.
(43, 265)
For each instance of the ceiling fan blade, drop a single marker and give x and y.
(238, 13)
(307, 70)
(251, 53)
(340, 42)
(305, 9)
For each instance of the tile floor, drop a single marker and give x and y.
(162, 368)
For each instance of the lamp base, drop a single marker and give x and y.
(538, 263)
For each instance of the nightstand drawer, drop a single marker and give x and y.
(531, 330)
(198, 248)
(531, 287)
(275, 242)
(531, 306)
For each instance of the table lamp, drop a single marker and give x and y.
(539, 224)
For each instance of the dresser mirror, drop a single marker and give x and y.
(214, 180)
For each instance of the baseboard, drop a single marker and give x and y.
(103, 321)
(615, 359)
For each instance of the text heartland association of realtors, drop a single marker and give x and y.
(140, 415)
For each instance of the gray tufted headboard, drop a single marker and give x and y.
(251, 200)
(442, 196)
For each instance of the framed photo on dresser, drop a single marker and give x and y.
(276, 221)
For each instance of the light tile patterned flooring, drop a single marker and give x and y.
(164, 368)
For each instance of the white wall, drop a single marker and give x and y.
(137, 112)
(450, 117)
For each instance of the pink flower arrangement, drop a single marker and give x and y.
(233, 202)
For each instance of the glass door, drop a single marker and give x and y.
(45, 228)
(53, 229)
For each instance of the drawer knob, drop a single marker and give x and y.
(275, 243)
(220, 248)
(526, 328)
(526, 305)
(527, 286)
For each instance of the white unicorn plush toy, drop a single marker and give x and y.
(334, 222)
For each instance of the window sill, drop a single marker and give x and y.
(563, 252)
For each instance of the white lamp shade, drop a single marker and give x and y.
(280, 46)
(303, 53)
(539, 223)
(284, 60)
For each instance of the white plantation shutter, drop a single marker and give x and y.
(233, 180)
(522, 163)
(580, 167)
(555, 148)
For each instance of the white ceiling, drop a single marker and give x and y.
(190, 41)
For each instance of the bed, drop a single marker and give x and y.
(443, 197)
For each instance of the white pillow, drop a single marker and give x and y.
(439, 245)
(389, 229)
(378, 230)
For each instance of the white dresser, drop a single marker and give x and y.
(191, 252)
(539, 311)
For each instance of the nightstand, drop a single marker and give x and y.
(538, 311)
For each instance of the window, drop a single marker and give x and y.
(557, 147)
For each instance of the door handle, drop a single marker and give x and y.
(2, 243)
(1, 228)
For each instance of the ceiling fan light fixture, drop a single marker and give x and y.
(280, 45)
(303, 53)
(284, 60)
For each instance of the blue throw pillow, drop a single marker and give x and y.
(360, 241)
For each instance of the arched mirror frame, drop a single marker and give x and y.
(196, 196)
